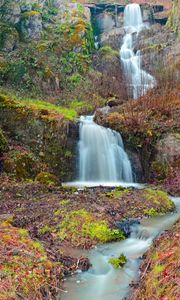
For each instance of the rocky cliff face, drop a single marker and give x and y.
(43, 43)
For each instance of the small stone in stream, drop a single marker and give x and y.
(126, 226)
(72, 264)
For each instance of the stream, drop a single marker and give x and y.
(102, 281)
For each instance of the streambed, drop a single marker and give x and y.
(102, 281)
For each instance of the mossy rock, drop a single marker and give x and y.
(82, 225)
(108, 52)
(118, 262)
(47, 178)
(31, 26)
(21, 165)
(160, 200)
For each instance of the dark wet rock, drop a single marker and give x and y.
(126, 226)
(136, 164)
(71, 264)
(112, 102)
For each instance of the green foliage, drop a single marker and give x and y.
(64, 50)
(118, 262)
(80, 8)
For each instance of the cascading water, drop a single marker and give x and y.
(101, 154)
(138, 79)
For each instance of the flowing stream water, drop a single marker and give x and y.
(138, 81)
(102, 281)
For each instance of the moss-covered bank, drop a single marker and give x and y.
(48, 131)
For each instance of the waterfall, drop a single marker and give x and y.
(101, 154)
(138, 79)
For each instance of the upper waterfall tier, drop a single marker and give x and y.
(133, 18)
(138, 80)
(101, 154)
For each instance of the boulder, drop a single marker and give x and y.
(31, 26)
(127, 226)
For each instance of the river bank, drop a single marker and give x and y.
(63, 223)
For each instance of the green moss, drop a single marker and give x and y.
(80, 106)
(47, 178)
(45, 229)
(117, 193)
(158, 269)
(65, 202)
(152, 212)
(118, 262)
(29, 14)
(81, 223)
(68, 113)
(108, 52)
(37, 105)
(159, 197)
(23, 233)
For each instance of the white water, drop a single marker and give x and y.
(102, 281)
(102, 158)
(138, 80)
